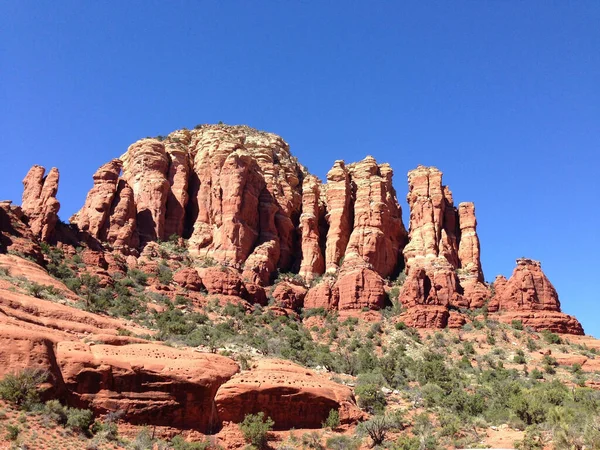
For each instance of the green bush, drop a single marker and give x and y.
(165, 274)
(519, 357)
(551, 338)
(179, 443)
(79, 419)
(342, 442)
(377, 428)
(368, 390)
(12, 432)
(256, 429)
(138, 276)
(56, 412)
(517, 324)
(333, 420)
(21, 388)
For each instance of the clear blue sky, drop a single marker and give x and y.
(502, 96)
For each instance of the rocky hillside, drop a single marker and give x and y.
(219, 242)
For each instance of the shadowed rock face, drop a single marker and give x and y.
(244, 202)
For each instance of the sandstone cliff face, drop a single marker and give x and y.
(39, 201)
(145, 166)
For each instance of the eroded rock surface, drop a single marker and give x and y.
(530, 297)
(293, 396)
(39, 201)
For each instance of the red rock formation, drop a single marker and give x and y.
(293, 396)
(178, 177)
(323, 295)
(360, 288)
(94, 215)
(188, 278)
(469, 250)
(288, 295)
(530, 297)
(145, 166)
(339, 214)
(154, 384)
(443, 254)
(39, 201)
(121, 231)
(221, 280)
(378, 234)
(248, 193)
(15, 235)
(313, 263)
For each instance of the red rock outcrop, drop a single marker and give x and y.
(288, 295)
(221, 280)
(188, 278)
(248, 199)
(122, 232)
(313, 262)
(154, 384)
(293, 396)
(39, 201)
(94, 215)
(378, 233)
(323, 295)
(178, 177)
(442, 257)
(15, 235)
(145, 166)
(529, 296)
(339, 214)
(360, 288)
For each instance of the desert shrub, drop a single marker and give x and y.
(255, 429)
(138, 276)
(56, 412)
(312, 440)
(551, 338)
(165, 274)
(179, 443)
(173, 322)
(342, 442)
(377, 428)
(468, 348)
(536, 374)
(368, 390)
(319, 312)
(517, 324)
(79, 419)
(333, 420)
(143, 440)
(21, 388)
(532, 440)
(12, 432)
(519, 357)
